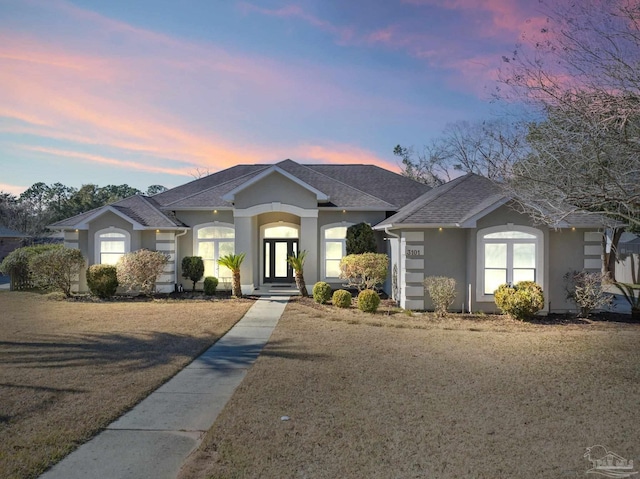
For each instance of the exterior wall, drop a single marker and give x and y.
(165, 242)
(275, 188)
(570, 250)
(111, 220)
(72, 241)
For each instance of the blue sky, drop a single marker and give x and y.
(150, 92)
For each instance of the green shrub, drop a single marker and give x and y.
(341, 298)
(321, 292)
(360, 239)
(521, 301)
(210, 285)
(442, 291)
(138, 270)
(193, 269)
(16, 264)
(368, 301)
(55, 269)
(102, 280)
(364, 271)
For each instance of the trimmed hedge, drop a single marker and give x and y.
(102, 280)
(341, 298)
(521, 301)
(321, 292)
(210, 285)
(368, 301)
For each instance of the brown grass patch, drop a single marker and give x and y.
(70, 368)
(481, 397)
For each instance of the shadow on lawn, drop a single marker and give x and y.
(57, 351)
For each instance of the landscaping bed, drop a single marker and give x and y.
(69, 367)
(396, 395)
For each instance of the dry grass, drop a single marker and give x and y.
(70, 368)
(418, 397)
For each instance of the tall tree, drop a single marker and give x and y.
(580, 77)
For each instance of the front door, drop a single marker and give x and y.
(276, 267)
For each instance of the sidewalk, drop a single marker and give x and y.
(154, 438)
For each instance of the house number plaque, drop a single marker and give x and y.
(414, 250)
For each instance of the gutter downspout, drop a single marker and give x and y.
(398, 262)
(175, 272)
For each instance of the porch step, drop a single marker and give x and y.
(276, 290)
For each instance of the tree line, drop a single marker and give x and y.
(41, 204)
(575, 143)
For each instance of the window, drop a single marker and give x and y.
(212, 242)
(508, 255)
(111, 245)
(334, 247)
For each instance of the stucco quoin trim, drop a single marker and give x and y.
(275, 207)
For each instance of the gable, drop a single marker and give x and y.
(275, 187)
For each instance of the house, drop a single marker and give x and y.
(469, 230)
(9, 240)
(465, 229)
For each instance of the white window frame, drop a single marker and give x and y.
(216, 245)
(323, 248)
(98, 240)
(481, 242)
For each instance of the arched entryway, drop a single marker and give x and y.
(280, 240)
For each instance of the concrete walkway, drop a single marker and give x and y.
(154, 438)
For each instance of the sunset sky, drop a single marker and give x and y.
(151, 91)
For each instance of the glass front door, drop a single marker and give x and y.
(276, 267)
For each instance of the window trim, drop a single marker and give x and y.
(97, 250)
(481, 242)
(323, 249)
(196, 241)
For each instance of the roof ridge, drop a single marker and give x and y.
(146, 199)
(182, 198)
(437, 192)
(342, 183)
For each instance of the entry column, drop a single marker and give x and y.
(309, 243)
(246, 242)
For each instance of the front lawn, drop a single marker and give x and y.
(70, 368)
(380, 396)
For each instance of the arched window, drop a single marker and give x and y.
(334, 247)
(212, 241)
(111, 244)
(508, 254)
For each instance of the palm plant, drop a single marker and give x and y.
(233, 262)
(296, 261)
(628, 291)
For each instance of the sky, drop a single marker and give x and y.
(161, 91)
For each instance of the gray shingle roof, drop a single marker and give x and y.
(139, 208)
(462, 199)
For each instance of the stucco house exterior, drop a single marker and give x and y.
(464, 229)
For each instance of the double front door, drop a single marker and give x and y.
(276, 267)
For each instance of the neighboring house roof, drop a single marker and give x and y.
(143, 212)
(461, 202)
(9, 233)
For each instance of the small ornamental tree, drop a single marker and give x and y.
(193, 269)
(442, 291)
(233, 262)
(586, 290)
(55, 269)
(138, 270)
(364, 271)
(360, 239)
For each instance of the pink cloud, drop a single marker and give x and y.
(341, 153)
(13, 189)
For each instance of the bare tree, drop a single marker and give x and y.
(486, 148)
(582, 79)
